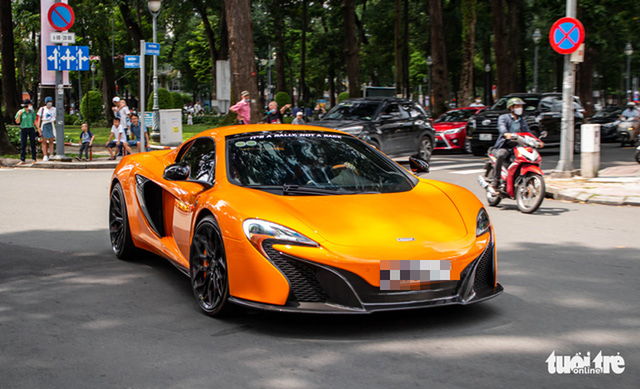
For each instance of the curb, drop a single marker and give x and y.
(13, 163)
(578, 195)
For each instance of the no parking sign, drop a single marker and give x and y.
(61, 16)
(566, 35)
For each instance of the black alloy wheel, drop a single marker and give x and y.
(467, 146)
(425, 148)
(119, 232)
(208, 268)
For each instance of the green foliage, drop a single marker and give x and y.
(91, 106)
(70, 119)
(164, 100)
(209, 120)
(176, 100)
(282, 98)
(343, 96)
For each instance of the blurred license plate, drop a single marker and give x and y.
(414, 274)
(485, 136)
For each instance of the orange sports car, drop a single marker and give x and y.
(294, 218)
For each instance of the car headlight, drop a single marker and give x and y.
(472, 124)
(482, 222)
(453, 131)
(352, 129)
(258, 230)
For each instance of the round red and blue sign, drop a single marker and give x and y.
(61, 16)
(566, 35)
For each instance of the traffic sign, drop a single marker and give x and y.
(61, 16)
(566, 35)
(68, 58)
(152, 48)
(132, 62)
(62, 37)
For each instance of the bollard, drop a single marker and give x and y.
(590, 150)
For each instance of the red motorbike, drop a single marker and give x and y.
(522, 179)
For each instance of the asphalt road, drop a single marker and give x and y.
(73, 316)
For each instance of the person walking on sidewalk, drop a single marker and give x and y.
(274, 116)
(243, 108)
(46, 127)
(26, 118)
(86, 140)
(299, 118)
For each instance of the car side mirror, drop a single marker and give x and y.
(418, 165)
(543, 134)
(177, 172)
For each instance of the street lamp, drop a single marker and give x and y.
(179, 81)
(154, 8)
(487, 85)
(628, 50)
(429, 63)
(93, 76)
(536, 39)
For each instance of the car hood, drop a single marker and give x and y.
(424, 216)
(448, 125)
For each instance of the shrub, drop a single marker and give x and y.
(176, 100)
(209, 120)
(282, 98)
(343, 96)
(164, 99)
(186, 99)
(70, 119)
(91, 106)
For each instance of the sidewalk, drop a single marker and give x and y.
(618, 185)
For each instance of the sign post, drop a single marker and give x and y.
(143, 124)
(566, 36)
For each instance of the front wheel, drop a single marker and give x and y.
(208, 268)
(467, 146)
(624, 138)
(119, 231)
(637, 156)
(426, 148)
(530, 192)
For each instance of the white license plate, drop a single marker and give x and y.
(485, 136)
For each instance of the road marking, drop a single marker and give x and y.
(450, 167)
(472, 171)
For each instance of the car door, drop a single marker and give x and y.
(551, 117)
(394, 122)
(200, 155)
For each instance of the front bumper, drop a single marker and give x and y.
(316, 288)
(450, 141)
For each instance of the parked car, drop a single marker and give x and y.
(397, 127)
(451, 129)
(608, 117)
(542, 111)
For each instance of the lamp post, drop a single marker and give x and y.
(429, 63)
(628, 50)
(536, 39)
(487, 84)
(154, 8)
(93, 76)
(179, 81)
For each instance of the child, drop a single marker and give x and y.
(86, 140)
(120, 139)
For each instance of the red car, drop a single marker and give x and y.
(451, 129)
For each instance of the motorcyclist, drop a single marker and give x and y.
(632, 114)
(508, 125)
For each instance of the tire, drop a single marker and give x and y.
(208, 269)
(425, 148)
(492, 200)
(624, 138)
(466, 149)
(530, 192)
(637, 156)
(478, 151)
(119, 231)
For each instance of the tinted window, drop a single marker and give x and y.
(201, 157)
(312, 159)
(461, 115)
(353, 110)
(396, 110)
(608, 113)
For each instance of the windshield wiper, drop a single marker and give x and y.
(289, 189)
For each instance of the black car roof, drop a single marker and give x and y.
(380, 98)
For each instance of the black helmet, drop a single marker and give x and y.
(27, 102)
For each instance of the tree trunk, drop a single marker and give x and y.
(10, 94)
(278, 40)
(108, 79)
(241, 54)
(405, 51)
(133, 28)
(351, 47)
(503, 43)
(468, 51)
(585, 81)
(303, 55)
(397, 44)
(211, 39)
(5, 146)
(332, 85)
(440, 75)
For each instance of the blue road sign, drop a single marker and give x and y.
(152, 48)
(67, 58)
(132, 62)
(148, 119)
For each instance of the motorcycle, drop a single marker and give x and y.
(522, 178)
(637, 156)
(625, 129)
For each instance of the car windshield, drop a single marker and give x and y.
(531, 103)
(613, 112)
(353, 110)
(312, 163)
(460, 115)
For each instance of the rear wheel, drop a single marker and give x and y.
(119, 232)
(208, 268)
(492, 199)
(425, 148)
(624, 138)
(530, 192)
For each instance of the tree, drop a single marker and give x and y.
(351, 47)
(10, 96)
(505, 38)
(469, 44)
(440, 76)
(241, 53)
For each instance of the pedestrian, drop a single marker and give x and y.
(45, 123)
(190, 119)
(134, 132)
(243, 108)
(86, 141)
(119, 139)
(477, 103)
(197, 108)
(274, 116)
(26, 118)
(299, 118)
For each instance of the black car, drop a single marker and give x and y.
(607, 118)
(542, 111)
(397, 127)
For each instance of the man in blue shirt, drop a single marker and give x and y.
(134, 129)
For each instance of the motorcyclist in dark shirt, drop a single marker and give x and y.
(508, 125)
